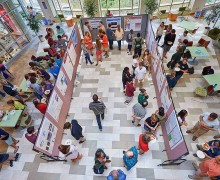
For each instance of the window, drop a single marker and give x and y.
(113, 4)
(173, 4)
(125, 3)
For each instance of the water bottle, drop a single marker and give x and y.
(214, 86)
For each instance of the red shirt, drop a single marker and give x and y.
(211, 167)
(143, 146)
(129, 89)
(42, 108)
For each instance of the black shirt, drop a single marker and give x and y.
(169, 37)
(3, 133)
(150, 123)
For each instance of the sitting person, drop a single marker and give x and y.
(52, 50)
(18, 105)
(171, 80)
(34, 64)
(40, 106)
(45, 86)
(43, 74)
(183, 46)
(6, 159)
(54, 70)
(62, 43)
(183, 36)
(161, 114)
(130, 158)
(58, 61)
(61, 32)
(35, 87)
(40, 58)
(151, 123)
(116, 174)
(31, 134)
(142, 97)
(70, 151)
(181, 117)
(175, 58)
(183, 68)
(50, 39)
(139, 112)
(144, 139)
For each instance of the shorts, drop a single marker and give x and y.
(105, 48)
(98, 52)
(9, 141)
(166, 48)
(3, 157)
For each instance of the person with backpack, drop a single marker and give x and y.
(138, 41)
(100, 160)
(110, 35)
(129, 40)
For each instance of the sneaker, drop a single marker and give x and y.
(194, 138)
(188, 131)
(195, 166)
(195, 155)
(92, 63)
(132, 121)
(100, 129)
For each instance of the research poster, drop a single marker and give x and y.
(74, 38)
(160, 76)
(114, 21)
(132, 22)
(55, 105)
(165, 98)
(173, 130)
(68, 66)
(62, 82)
(72, 53)
(94, 23)
(155, 61)
(47, 135)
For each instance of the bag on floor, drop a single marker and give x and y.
(191, 70)
(207, 70)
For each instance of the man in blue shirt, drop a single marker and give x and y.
(61, 32)
(110, 36)
(54, 70)
(116, 174)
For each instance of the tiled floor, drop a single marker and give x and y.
(118, 132)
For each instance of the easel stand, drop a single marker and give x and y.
(172, 162)
(51, 158)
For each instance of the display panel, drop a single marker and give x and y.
(132, 22)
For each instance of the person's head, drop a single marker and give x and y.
(108, 11)
(161, 111)
(170, 26)
(82, 41)
(118, 27)
(173, 31)
(114, 174)
(31, 64)
(30, 130)
(184, 60)
(51, 44)
(43, 84)
(100, 31)
(130, 80)
(33, 57)
(86, 23)
(3, 82)
(138, 34)
(103, 32)
(153, 117)
(36, 102)
(146, 138)
(58, 56)
(95, 97)
(33, 80)
(64, 148)
(179, 50)
(58, 27)
(185, 33)
(67, 125)
(146, 52)
(31, 7)
(51, 65)
(59, 37)
(109, 25)
(100, 23)
(141, 64)
(10, 102)
(185, 41)
(212, 116)
(126, 70)
(98, 43)
(129, 154)
(162, 24)
(144, 104)
(87, 33)
(142, 90)
(135, 56)
(132, 31)
(173, 74)
(99, 154)
(26, 77)
(183, 113)
(28, 7)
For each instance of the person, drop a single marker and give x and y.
(50, 31)
(130, 158)
(62, 53)
(139, 112)
(168, 42)
(119, 33)
(102, 27)
(31, 134)
(71, 152)
(129, 39)
(100, 160)
(85, 52)
(100, 35)
(105, 44)
(35, 64)
(211, 149)
(181, 117)
(116, 174)
(140, 73)
(54, 70)
(109, 14)
(40, 58)
(125, 76)
(151, 123)
(161, 115)
(50, 40)
(98, 47)
(183, 68)
(32, 12)
(10, 89)
(62, 43)
(175, 57)
(216, 136)
(87, 28)
(40, 106)
(207, 121)
(7, 159)
(208, 168)
(5, 72)
(18, 105)
(183, 46)
(58, 61)
(138, 42)
(98, 107)
(27, 79)
(159, 32)
(52, 50)
(169, 29)
(171, 80)
(135, 63)
(144, 139)
(61, 32)
(45, 86)
(142, 97)
(10, 141)
(76, 130)
(110, 36)
(129, 91)
(35, 87)
(183, 36)
(88, 42)
(2, 94)
(43, 74)
(147, 60)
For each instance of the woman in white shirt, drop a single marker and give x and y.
(181, 117)
(70, 151)
(119, 33)
(159, 32)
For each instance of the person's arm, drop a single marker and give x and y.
(146, 123)
(144, 75)
(156, 126)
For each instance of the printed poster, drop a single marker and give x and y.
(94, 23)
(160, 76)
(68, 66)
(165, 98)
(72, 53)
(62, 82)
(132, 22)
(114, 21)
(74, 38)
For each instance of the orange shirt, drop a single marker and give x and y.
(105, 41)
(211, 167)
(143, 146)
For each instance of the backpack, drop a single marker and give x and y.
(129, 39)
(207, 70)
(138, 44)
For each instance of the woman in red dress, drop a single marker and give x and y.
(88, 42)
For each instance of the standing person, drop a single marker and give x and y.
(98, 107)
(116, 174)
(208, 168)
(40, 106)
(32, 12)
(101, 26)
(5, 72)
(88, 42)
(130, 158)
(169, 29)
(71, 152)
(151, 123)
(105, 44)
(142, 97)
(144, 139)
(139, 112)
(31, 134)
(110, 36)
(135, 63)
(62, 43)
(147, 60)
(207, 121)
(119, 33)
(85, 52)
(129, 40)
(76, 130)
(182, 117)
(87, 28)
(125, 76)
(140, 74)
(61, 32)
(168, 42)
(10, 141)
(159, 32)
(161, 114)
(138, 42)
(109, 14)
(129, 91)
(98, 47)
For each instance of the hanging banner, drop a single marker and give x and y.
(132, 22)
(114, 22)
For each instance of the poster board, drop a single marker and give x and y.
(132, 22)
(114, 21)
(68, 66)
(94, 23)
(62, 82)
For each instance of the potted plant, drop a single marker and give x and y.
(150, 6)
(90, 7)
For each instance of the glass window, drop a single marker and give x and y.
(125, 11)
(104, 4)
(165, 2)
(177, 1)
(167, 8)
(136, 11)
(125, 3)
(113, 4)
(22, 41)
(13, 49)
(4, 56)
(35, 4)
(115, 13)
(176, 7)
(135, 3)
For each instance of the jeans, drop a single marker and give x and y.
(18, 97)
(137, 51)
(2, 94)
(110, 43)
(87, 57)
(99, 120)
(38, 96)
(119, 45)
(158, 38)
(129, 47)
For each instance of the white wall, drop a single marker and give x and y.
(50, 12)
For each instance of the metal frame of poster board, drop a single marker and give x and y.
(175, 145)
(47, 143)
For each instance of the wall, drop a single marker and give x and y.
(197, 5)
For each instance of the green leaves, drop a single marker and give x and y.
(90, 7)
(151, 6)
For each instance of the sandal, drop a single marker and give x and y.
(16, 150)
(16, 156)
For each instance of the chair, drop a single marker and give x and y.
(162, 14)
(203, 42)
(190, 43)
(193, 31)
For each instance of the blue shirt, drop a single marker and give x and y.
(131, 161)
(109, 34)
(121, 176)
(60, 31)
(215, 151)
(54, 71)
(59, 62)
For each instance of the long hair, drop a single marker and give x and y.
(87, 34)
(98, 43)
(118, 28)
(182, 113)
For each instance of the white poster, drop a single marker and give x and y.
(55, 105)
(72, 53)
(62, 82)
(160, 76)
(132, 22)
(155, 61)
(114, 21)
(46, 136)
(68, 66)
(165, 98)
(94, 23)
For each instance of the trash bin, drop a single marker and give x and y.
(41, 38)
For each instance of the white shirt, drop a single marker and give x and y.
(135, 62)
(139, 73)
(119, 35)
(182, 37)
(160, 31)
(212, 124)
(74, 152)
(33, 12)
(86, 29)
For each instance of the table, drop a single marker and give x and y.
(23, 87)
(12, 119)
(187, 25)
(213, 79)
(202, 52)
(42, 53)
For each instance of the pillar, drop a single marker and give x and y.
(48, 9)
(197, 5)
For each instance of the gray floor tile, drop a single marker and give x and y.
(117, 162)
(43, 176)
(195, 111)
(120, 105)
(92, 129)
(78, 169)
(126, 137)
(145, 173)
(120, 117)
